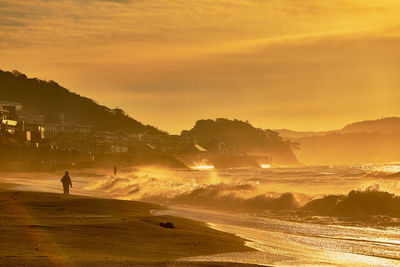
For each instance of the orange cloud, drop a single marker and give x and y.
(279, 63)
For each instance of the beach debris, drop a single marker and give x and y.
(167, 225)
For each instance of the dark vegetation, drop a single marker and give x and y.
(237, 137)
(229, 141)
(41, 97)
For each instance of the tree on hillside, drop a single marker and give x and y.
(238, 136)
(41, 97)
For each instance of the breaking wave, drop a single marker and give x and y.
(246, 195)
(224, 196)
(381, 174)
(357, 203)
(116, 187)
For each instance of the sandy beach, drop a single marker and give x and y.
(49, 229)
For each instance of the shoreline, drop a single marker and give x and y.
(49, 229)
(295, 243)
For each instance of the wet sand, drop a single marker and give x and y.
(48, 229)
(289, 243)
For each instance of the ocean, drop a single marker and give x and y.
(277, 210)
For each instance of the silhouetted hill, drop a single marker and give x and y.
(370, 141)
(384, 125)
(41, 97)
(241, 138)
(349, 148)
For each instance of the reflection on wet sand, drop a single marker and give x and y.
(283, 243)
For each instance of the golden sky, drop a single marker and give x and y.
(278, 63)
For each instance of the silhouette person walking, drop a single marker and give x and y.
(66, 181)
(115, 170)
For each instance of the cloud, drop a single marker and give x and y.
(278, 63)
(104, 22)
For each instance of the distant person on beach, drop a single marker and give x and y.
(66, 181)
(115, 170)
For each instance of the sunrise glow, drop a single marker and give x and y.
(200, 133)
(203, 167)
(300, 61)
(265, 166)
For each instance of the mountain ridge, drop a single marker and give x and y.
(382, 125)
(369, 141)
(41, 97)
